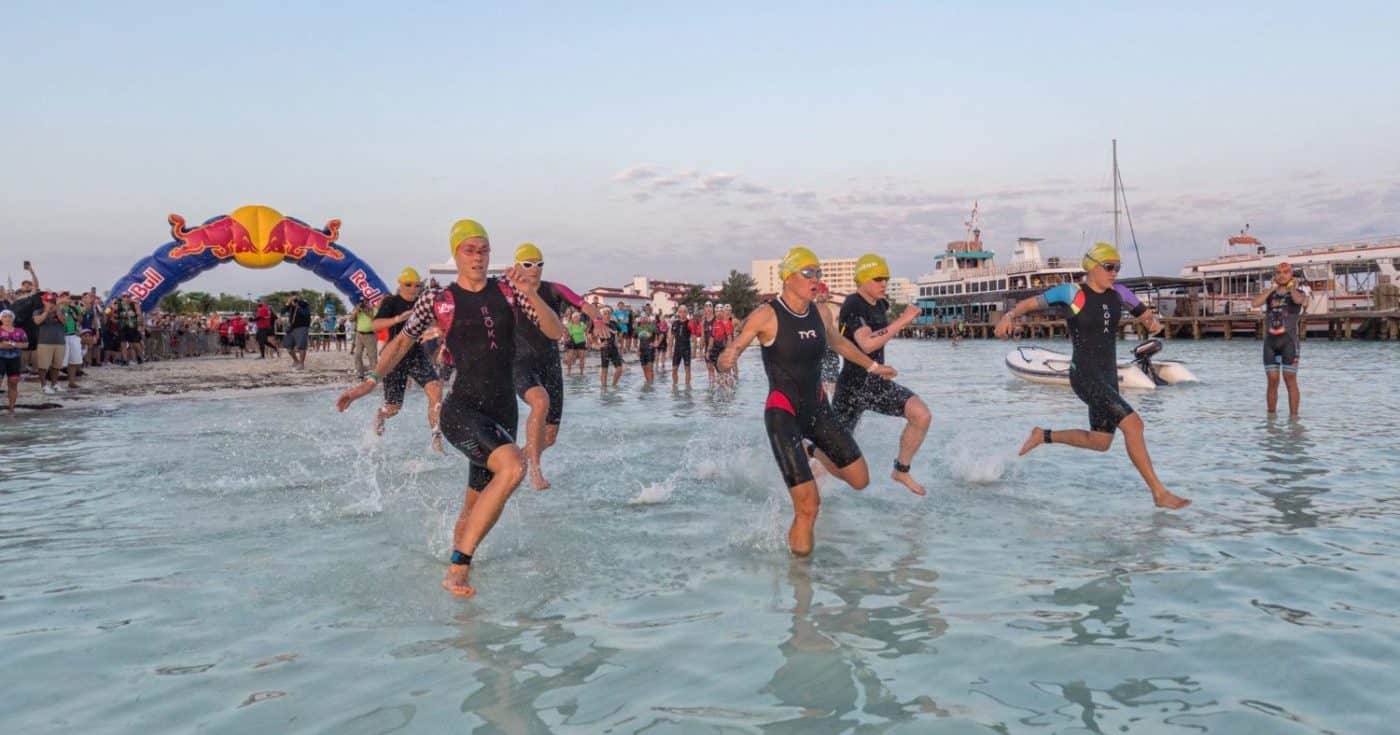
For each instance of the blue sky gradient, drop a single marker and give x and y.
(681, 141)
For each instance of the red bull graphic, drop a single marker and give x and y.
(253, 236)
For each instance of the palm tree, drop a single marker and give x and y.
(173, 303)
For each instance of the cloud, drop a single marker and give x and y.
(640, 172)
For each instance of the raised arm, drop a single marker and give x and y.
(420, 319)
(870, 340)
(1144, 314)
(1061, 294)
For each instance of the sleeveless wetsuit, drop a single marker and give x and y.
(608, 352)
(796, 408)
(1092, 320)
(479, 414)
(680, 336)
(1281, 344)
(537, 356)
(857, 391)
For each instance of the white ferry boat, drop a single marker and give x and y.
(968, 285)
(1343, 276)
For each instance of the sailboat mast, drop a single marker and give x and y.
(1116, 184)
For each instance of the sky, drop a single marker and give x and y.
(681, 140)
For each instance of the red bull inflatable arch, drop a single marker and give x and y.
(253, 237)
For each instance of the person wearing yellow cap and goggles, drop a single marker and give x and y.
(477, 318)
(394, 310)
(1092, 311)
(864, 320)
(794, 334)
(539, 380)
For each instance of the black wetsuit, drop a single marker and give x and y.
(1092, 320)
(537, 356)
(796, 409)
(608, 353)
(414, 365)
(680, 338)
(857, 391)
(479, 414)
(1281, 344)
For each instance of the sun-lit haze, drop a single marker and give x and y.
(683, 142)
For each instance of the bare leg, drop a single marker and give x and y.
(13, 393)
(480, 514)
(433, 390)
(806, 502)
(385, 412)
(538, 400)
(73, 378)
(617, 374)
(1290, 379)
(1271, 391)
(1137, 451)
(917, 420)
(1096, 440)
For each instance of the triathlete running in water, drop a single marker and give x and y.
(577, 342)
(1093, 309)
(1283, 308)
(721, 331)
(865, 321)
(793, 336)
(646, 334)
(680, 344)
(394, 310)
(606, 335)
(538, 379)
(478, 317)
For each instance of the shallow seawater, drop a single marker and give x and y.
(264, 564)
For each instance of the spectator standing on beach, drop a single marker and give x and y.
(71, 316)
(267, 328)
(89, 328)
(129, 322)
(238, 333)
(13, 340)
(366, 347)
(298, 314)
(48, 356)
(25, 303)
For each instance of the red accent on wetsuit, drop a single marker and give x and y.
(777, 400)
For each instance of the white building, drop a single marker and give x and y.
(664, 296)
(839, 274)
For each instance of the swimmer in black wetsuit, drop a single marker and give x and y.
(538, 379)
(644, 329)
(680, 344)
(390, 316)
(1094, 308)
(865, 320)
(793, 335)
(1283, 306)
(478, 317)
(607, 333)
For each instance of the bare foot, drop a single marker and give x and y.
(537, 480)
(906, 480)
(1166, 500)
(437, 442)
(379, 423)
(1034, 440)
(456, 580)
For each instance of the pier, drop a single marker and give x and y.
(1348, 325)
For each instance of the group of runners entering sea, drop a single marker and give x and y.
(505, 334)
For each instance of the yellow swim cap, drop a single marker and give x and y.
(869, 267)
(528, 251)
(795, 260)
(465, 229)
(1102, 252)
(408, 275)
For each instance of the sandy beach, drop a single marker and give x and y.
(189, 376)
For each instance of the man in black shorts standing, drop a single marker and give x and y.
(298, 330)
(864, 320)
(538, 379)
(1283, 307)
(129, 322)
(477, 317)
(394, 310)
(793, 334)
(607, 333)
(680, 344)
(1093, 309)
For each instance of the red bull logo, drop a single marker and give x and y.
(360, 280)
(255, 237)
(150, 279)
